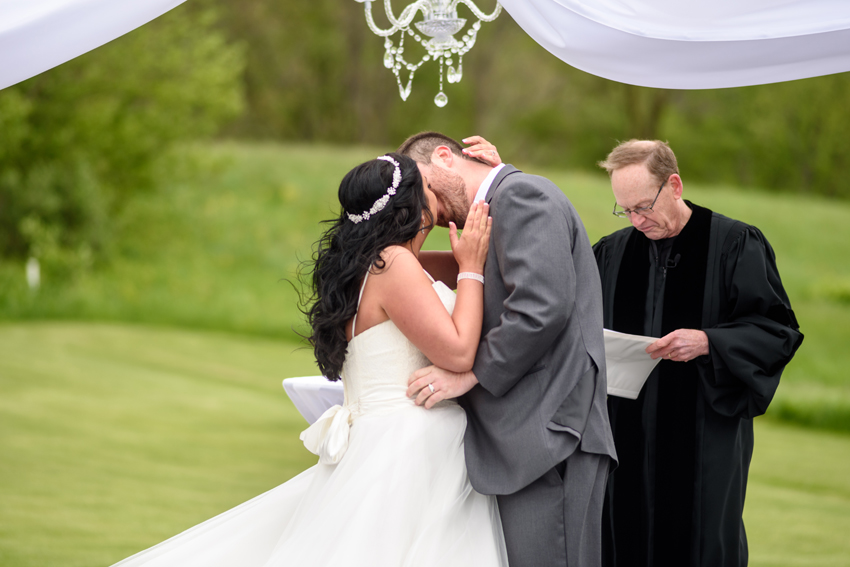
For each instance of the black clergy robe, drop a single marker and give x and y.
(685, 444)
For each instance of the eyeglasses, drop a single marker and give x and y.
(643, 211)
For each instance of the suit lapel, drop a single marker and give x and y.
(503, 173)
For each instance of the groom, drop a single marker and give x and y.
(538, 435)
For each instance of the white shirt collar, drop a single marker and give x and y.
(485, 185)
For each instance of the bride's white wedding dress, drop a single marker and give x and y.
(398, 495)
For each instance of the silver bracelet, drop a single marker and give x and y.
(470, 276)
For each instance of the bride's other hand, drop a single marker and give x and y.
(483, 150)
(470, 248)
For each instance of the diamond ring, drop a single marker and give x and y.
(431, 387)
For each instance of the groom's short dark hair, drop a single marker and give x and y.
(421, 147)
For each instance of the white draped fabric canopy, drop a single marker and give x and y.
(696, 44)
(37, 35)
(656, 43)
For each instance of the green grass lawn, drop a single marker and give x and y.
(218, 244)
(798, 499)
(114, 437)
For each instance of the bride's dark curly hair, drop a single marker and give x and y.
(347, 250)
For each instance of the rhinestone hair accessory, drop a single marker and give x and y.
(382, 202)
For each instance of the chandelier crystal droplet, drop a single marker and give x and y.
(439, 26)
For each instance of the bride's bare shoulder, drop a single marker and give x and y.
(399, 264)
(396, 255)
(396, 250)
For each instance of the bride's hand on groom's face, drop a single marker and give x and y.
(446, 385)
(470, 248)
(483, 150)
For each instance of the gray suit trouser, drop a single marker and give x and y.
(556, 521)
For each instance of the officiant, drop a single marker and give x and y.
(708, 286)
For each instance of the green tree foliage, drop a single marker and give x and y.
(789, 136)
(78, 140)
(314, 72)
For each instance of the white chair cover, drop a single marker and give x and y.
(313, 395)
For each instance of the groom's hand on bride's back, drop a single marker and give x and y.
(446, 385)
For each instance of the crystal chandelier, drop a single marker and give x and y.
(437, 28)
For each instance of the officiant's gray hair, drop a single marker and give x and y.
(655, 154)
(421, 147)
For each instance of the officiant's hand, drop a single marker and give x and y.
(681, 345)
(483, 150)
(447, 385)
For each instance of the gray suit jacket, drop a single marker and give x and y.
(541, 361)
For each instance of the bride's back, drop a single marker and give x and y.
(382, 358)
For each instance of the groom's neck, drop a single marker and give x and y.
(473, 174)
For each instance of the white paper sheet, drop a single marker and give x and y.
(628, 363)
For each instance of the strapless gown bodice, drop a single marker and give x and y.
(378, 364)
(380, 360)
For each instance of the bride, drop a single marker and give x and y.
(391, 487)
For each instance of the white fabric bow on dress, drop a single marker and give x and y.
(328, 436)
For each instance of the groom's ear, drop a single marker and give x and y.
(444, 155)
